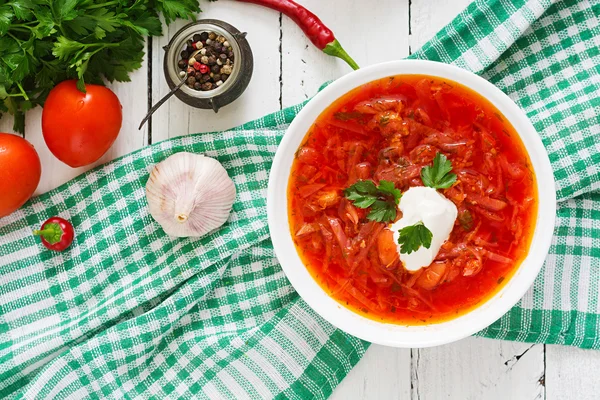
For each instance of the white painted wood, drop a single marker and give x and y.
(572, 373)
(428, 17)
(477, 368)
(371, 32)
(175, 118)
(383, 373)
(133, 97)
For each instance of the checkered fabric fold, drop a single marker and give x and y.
(128, 312)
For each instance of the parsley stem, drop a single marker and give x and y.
(20, 29)
(25, 25)
(22, 91)
(14, 37)
(133, 5)
(101, 44)
(15, 95)
(110, 3)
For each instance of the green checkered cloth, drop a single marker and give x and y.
(128, 312)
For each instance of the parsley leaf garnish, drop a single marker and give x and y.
(413, 237)
(362, 193)
(382, 211)
(438, 176)
(382, 199)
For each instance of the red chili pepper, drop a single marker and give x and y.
(313, 27)
(56, 233)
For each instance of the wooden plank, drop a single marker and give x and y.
(176, 118)
(370, 33)
(571, 373)
(477, 368)
(383, 373)
(133, 97)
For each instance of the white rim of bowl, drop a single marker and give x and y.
(411, 335)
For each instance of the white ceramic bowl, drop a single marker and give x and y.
(401, 335)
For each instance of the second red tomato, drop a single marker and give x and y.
(80, 127)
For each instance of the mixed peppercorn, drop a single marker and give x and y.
(207, 61)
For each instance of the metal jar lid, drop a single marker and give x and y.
(233, 87)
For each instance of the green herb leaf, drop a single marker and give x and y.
(438, 176)
(22, 10)
(146, 24)
(6, 16)
(362, 193)
(382, 199)
(382, 211)
(413, 237)
(18, 121)
(23, 69)
(388, 187)
(361, 187)
(66, 49)
(45, 26)
(81, 85)
(64, 10)
(364, 201)
(173, 9)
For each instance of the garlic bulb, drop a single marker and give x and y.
(189, 194)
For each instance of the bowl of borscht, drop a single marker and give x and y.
(411, 203)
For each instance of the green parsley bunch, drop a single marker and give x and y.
(43, 42)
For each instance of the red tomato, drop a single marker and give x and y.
(80, 127)
(20, 172)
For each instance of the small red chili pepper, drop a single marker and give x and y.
(56, 233)
(203, 69)
(319, 34)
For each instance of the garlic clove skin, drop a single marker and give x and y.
(189, 194)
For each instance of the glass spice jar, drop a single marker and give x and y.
(241, 69)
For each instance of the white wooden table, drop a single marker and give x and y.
(288, 69)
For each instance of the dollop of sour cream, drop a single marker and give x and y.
(436, 212)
